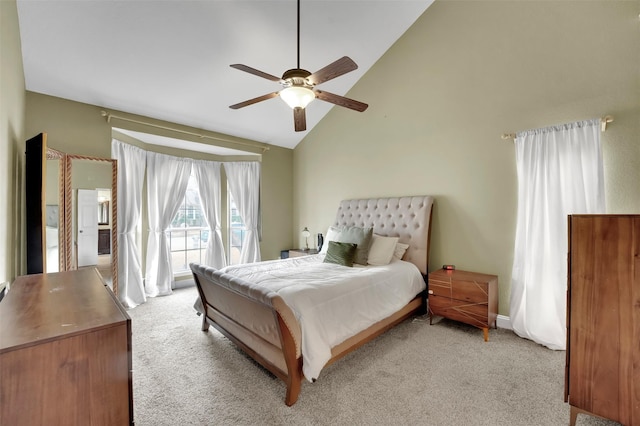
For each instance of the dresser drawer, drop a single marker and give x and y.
(476, 314)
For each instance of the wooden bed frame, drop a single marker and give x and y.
(260, 323)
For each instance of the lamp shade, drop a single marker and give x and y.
(297, 96)
(306, 233)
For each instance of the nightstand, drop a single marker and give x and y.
(464, 296)
(302, 252)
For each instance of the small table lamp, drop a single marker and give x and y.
(306, 234)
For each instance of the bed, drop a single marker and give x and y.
(277, 318)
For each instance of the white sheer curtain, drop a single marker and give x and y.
(560, 172)
(244, 184)
(131, 166)
(167, 179)
(208, 176)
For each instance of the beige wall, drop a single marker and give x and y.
(78, 128)
(440, 98)
(12, 116)
(88, 174)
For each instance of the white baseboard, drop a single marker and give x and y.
(183, 283)
(504, 321)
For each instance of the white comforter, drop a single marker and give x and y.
(333, 302)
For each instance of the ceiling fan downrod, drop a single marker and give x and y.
(298, 41)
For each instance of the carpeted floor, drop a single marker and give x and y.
(444, 374)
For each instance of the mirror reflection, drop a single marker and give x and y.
(54, 236)
(91, 224)
(103, 207)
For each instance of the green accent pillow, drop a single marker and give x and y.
(340, 253)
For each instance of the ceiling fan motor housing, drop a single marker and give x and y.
(296, 77)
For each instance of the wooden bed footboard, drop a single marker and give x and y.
(255, 320)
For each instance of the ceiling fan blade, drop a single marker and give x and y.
(299, 119)
(333, 70)
(254, 71)
(254, 100)
(341, 101)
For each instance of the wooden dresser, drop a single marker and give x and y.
(65, 352)
(602, 375)
(464, 296)
(104, 241)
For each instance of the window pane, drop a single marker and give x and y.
(236, 232)
(178, 261)
(193, 239)
(194, 256)
(177, 239)
(187, 238)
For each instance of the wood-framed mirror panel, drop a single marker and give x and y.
(73, 189)
(54, 208)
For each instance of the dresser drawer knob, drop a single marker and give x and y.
(430, 291)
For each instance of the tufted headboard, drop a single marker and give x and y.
(408, 218)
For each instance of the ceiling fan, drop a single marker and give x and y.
(298, 86)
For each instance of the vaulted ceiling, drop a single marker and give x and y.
(170, 60)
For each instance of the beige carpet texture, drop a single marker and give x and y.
(416, 373)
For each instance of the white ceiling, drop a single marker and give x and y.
(170, 60)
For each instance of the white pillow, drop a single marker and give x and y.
(382, 249)
(401, 248)
(333, 234)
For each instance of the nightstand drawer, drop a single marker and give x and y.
(461, 289)
(476, 314)
(439, 287)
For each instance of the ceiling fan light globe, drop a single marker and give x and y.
(297, 97)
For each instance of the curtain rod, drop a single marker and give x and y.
(109, 116)
(603, 126)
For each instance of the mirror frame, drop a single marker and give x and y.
(54, 154)
(68, 243)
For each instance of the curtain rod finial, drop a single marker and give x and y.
(507, 136)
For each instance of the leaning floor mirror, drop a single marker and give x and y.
(54, 207)
(91, 215)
